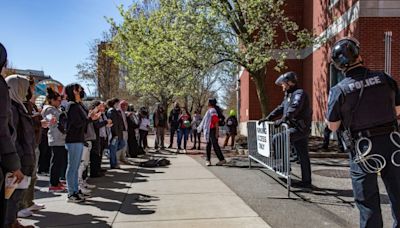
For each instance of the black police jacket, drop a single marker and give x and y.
(376, 106)
(295, 110)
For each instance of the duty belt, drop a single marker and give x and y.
(381, 130)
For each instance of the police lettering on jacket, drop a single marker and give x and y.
(367, 82)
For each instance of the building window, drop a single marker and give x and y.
(388, 52)
(335, 75)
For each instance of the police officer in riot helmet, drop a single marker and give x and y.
(295, 111)
(365, 106)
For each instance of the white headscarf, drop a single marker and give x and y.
(18, 89)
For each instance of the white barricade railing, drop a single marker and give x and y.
(270, 146)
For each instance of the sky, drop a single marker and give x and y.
(54, 35)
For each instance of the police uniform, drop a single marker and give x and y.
(370, 113)
(296, 112)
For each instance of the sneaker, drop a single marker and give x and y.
(36, 207)
(84, 190)
(17, 224)
(84, 195)
(185, 151)
(89, 186)
(221, 163)
(24, 213)
(178, 151)
(75, 198)
(170, 146)
(208, 163)
(56, 189)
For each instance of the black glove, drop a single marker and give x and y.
(268, 118)
(278, 123)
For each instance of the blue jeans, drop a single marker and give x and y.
(365, 185)
(183, 133)
(74, 160)
(115, 145)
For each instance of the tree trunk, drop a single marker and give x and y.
(259, 80)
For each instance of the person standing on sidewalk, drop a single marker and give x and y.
(123, 109)
(51, 112)
(173, 123)
(77, 121)
(144, 128)
(24, 140)
(196, 134)
(365, 106)
(231, 129)
(9, 159)
(117, 129)
(184, 127)
(101, 142)
(160, 123)
(210, 126)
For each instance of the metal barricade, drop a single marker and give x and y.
(278, 140)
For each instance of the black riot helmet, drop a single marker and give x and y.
(287, 77)
(3, 56)
(345, 53)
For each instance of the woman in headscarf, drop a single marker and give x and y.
(24, 140)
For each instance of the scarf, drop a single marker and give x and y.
(18, 89)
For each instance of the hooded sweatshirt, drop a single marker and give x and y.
(55, 137)
(25, 135)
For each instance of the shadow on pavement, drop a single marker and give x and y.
(57, 219)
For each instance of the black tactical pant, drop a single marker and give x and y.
(365, 185)
(2, 200)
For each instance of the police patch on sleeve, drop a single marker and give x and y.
(296, 99)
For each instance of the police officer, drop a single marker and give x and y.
(295, 110)
(365, 105)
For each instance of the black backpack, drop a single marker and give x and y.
(62, 123)
(220, 116)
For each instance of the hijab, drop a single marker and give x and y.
(19, 86)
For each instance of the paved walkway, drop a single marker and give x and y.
(185, 194)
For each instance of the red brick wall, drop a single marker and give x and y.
(244, 96)
(372, 36)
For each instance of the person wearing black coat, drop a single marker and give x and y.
(117, 140)
(24, 140)
(9, 159)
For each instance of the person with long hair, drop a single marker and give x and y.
(56, 139)
(77, 121)
(210, 126)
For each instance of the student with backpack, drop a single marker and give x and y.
(210, 126)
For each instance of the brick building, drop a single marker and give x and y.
(375, 23)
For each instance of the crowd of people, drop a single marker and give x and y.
(67, 137)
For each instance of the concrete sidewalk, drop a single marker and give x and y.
(185, 194)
